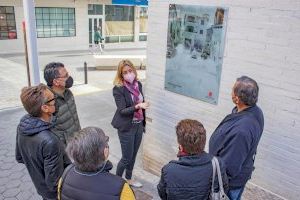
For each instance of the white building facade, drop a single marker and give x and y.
(262, 41)
(70, 24)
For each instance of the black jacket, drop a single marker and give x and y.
(98, 185)
(235, 140)
(67, 122)
(122, 119)
(40, 150)
(189, 178)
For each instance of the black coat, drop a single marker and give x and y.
(122, 119)
(235, 140)
(189, 178)
(92, 185)
(41, 152)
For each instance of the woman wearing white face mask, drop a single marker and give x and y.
(129, 118)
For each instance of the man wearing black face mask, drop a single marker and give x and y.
(59, 81)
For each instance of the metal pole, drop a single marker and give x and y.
(29, 15)
(26, 54)
(85, 73)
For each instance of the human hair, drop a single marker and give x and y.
(51, 72)
(247, 90)
(86, 149)
(191, 135)
(33, 98)
(118, 81)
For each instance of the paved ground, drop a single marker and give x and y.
(95, 106)
(13, 74)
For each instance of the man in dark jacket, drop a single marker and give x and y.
(37, 147)
(236, 138)
(67, 123)
(190, 177)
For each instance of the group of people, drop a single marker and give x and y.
(66, 162)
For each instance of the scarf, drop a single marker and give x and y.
(134, 90)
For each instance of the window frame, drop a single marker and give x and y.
(9, 20)
(59, 22)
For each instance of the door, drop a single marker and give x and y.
(94, 23)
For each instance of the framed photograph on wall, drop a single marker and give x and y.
(195, 48)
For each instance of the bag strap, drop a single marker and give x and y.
(61, 180)
(219, 175)
(214, 174)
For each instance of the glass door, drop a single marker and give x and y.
(94, 23)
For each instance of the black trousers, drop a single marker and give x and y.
(130, 143)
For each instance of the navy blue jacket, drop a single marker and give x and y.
(235, 140)
(41, 152)
(189, 178)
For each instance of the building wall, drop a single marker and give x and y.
(79, 42)
(263, 42)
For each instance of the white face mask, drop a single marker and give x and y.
(129, 77)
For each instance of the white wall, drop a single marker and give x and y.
(263, 42)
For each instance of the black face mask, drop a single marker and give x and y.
(69, 82)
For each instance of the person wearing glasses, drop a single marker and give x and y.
(36, 146)
(88, 177)
(59, 80)
(129, 118)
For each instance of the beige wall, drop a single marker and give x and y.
(263, 42)
(79, 42)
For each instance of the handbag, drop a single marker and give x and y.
(220, 195)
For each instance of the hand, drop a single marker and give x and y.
(144, 105)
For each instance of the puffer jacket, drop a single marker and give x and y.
(41, 152)
(67, 122)
(189, 178)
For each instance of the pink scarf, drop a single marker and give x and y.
(134, 90)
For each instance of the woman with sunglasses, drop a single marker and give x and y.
(129, 118)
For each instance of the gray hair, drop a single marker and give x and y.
(247, 90)
(86, 149)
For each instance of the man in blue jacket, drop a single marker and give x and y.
(236, 138)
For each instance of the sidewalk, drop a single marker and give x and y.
(13, 76)
(95, 109)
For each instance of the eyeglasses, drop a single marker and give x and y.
(48, 101)
(128, 71)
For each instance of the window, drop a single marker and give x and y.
(202, 22)
(143, 23)
(7, 23)
(201, 31)
(119, 24)
(95, 9)
(55, 22)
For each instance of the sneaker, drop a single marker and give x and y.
(134, 183)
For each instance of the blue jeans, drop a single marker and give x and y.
(236, 194)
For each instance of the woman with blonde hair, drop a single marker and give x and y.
(129, 118)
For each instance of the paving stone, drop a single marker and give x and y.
(4, 173)
(2, 189)
(16, 175)
(11, 192)
(13, 184)
(7, 165)
(3, 151)
(4, 180)
(24, 195)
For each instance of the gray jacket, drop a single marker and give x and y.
(67, 122)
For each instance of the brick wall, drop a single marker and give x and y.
(263, 42)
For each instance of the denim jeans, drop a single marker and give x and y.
(130, 143)
(236, 194)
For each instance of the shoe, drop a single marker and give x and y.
(134, 183)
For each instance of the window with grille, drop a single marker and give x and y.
(55, 22)
(7, 23)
